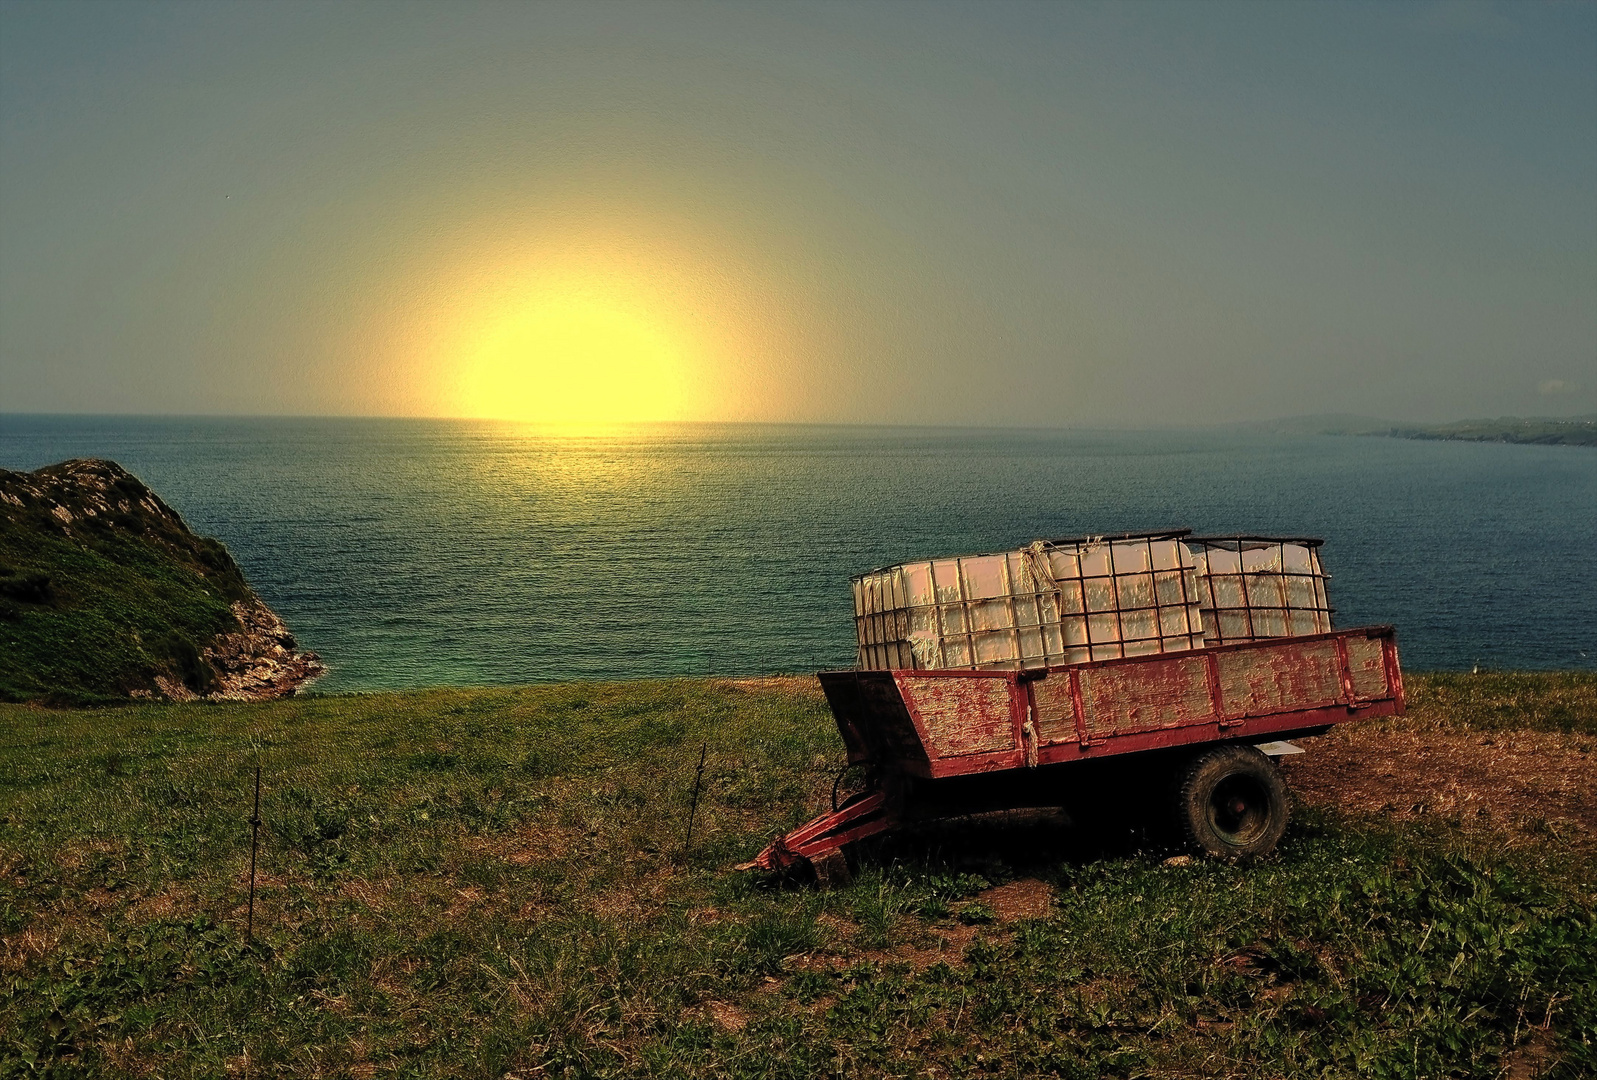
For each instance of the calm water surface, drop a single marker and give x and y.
(419, 553)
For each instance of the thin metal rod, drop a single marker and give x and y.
(255, 843)
(693, 808)
(1242, 583)
(1114, 592)
(1153, 588)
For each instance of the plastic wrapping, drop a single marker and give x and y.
(1050, 603)
(1255, 587)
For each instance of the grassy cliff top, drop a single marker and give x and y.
(104, 590)
(491, 883)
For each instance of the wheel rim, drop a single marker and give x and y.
(1239, 810)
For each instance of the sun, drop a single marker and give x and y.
(573, 361)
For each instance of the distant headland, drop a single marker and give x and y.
(106, 595)
(1545, 430)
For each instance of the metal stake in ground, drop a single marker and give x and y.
(693, 808)
(255, 843)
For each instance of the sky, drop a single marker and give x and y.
(1140, 214)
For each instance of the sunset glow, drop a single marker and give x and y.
(1017, 214)
(573, 361)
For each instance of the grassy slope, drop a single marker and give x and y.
(89, 614)
(1509, 700)
(491, 883)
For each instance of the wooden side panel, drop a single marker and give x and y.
(961, 715)
(1053, 709)
(1154, 694)
(942, 724)
(1366, 661)
(1277, 678)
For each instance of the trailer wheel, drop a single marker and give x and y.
(1231, 803)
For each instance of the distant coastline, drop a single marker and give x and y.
(1573, 431)
(1543, 430)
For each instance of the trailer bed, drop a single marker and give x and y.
(935, 724)
(910, 726)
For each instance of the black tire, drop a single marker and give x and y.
(1231, 803)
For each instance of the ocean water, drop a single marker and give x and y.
(419, 553)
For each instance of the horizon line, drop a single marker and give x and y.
(610, 425)
(1327, 417)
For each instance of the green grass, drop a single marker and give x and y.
(1563, 701)
(492, 882)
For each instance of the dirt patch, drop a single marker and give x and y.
(365, 892)
(1023, 899)
(1531, 1058)
(839, 927)
(793, 684)
(20, 950)
(536, 842)
(465, 900)
(1516, 781)
(165, 905)
(76, 854)
(948, 947)
(621, 906)
(87, 912)
(727, 1017)
(945, 944)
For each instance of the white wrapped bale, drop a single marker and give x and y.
(1051, 603)
(1255, 587)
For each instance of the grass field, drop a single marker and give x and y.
(491, 883)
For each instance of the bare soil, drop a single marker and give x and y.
(727, 1017)
(1525, 783)
(792, 684)
(1023, 899)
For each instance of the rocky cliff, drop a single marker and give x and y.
(105, 594)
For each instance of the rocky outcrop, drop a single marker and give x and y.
(105, 592)
(258, 662)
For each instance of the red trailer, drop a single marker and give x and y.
(1184, 726)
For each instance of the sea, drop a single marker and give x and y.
(416, 553)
